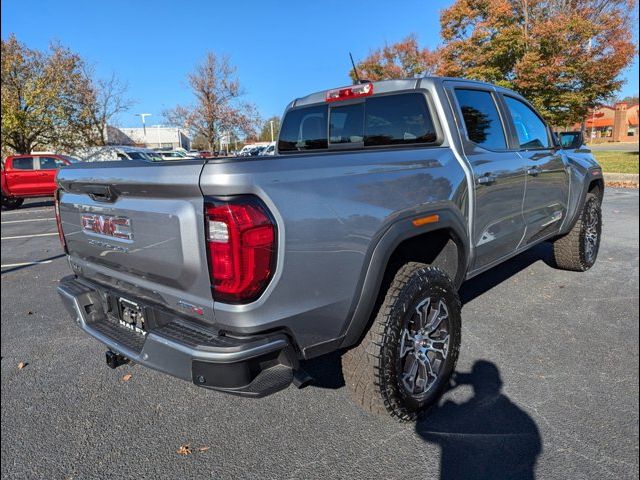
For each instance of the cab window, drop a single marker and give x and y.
(50, 163)
(304, 129)
(531, 129)
(23, 163)
(398, 120)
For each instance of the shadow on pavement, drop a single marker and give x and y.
(30, 205)
(487, 437)
(486, 281)
(327, 371)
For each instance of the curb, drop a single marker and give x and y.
(629, 180)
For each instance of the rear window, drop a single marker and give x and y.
(402, 119)
(304, 129)
(23, 163)
(398, 120)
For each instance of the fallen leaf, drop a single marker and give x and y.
(203, 449)
(560, 286)
(127, 377)
(21, 365)
(184, 450)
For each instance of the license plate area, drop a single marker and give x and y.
(131, 316)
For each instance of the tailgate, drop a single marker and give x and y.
(139, 227)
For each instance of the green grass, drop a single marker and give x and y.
(615, 161)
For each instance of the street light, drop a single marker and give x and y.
(144, 127)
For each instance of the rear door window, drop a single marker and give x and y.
(23, 163)
(481, 118)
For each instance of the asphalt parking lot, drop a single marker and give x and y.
(548, 383)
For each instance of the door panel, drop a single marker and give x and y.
(545, 201)
(47, 174)
(498, 225)
(21, 177)
(499, 173)
(547, 185)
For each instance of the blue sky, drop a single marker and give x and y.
(282, 49)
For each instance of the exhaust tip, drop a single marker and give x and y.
(301, 378)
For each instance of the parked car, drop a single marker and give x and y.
(269, 149)
(174, 155)
(26, 176)
(118, 152)
(381, 200)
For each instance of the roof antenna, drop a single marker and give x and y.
(355, 70)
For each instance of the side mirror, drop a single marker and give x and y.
(571, 140)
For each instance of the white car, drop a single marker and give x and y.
(174, 155)
(117, 152)
(270, 150)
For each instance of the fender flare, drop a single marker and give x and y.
(449, 218)
(591, 175)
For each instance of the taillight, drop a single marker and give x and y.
(241, 245)
(345, 93)
(56, 207)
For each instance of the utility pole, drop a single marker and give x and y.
(271, 124)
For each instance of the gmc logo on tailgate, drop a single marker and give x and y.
(108, 225)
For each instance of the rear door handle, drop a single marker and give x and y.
(486, 179)
(533, 171)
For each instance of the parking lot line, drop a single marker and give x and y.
(13, 212)
(25, 264)
(29, 236)
(29, 220)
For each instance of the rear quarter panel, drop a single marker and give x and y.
(330, 209)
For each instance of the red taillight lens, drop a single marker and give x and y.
(241, 244)
(346, 93)
(56, 207)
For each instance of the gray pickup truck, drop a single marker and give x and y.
(382, 199)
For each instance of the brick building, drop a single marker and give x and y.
(617, 123)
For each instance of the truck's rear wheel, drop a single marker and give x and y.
(405, 360)
(9, 203)
(578, 249)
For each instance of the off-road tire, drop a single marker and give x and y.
(370, 369)
(569, 251)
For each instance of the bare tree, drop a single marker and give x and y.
(100, 102)
(218, 109)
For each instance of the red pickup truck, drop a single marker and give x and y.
(25, 176)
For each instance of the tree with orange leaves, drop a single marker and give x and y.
(565, 56)
(400, 60)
